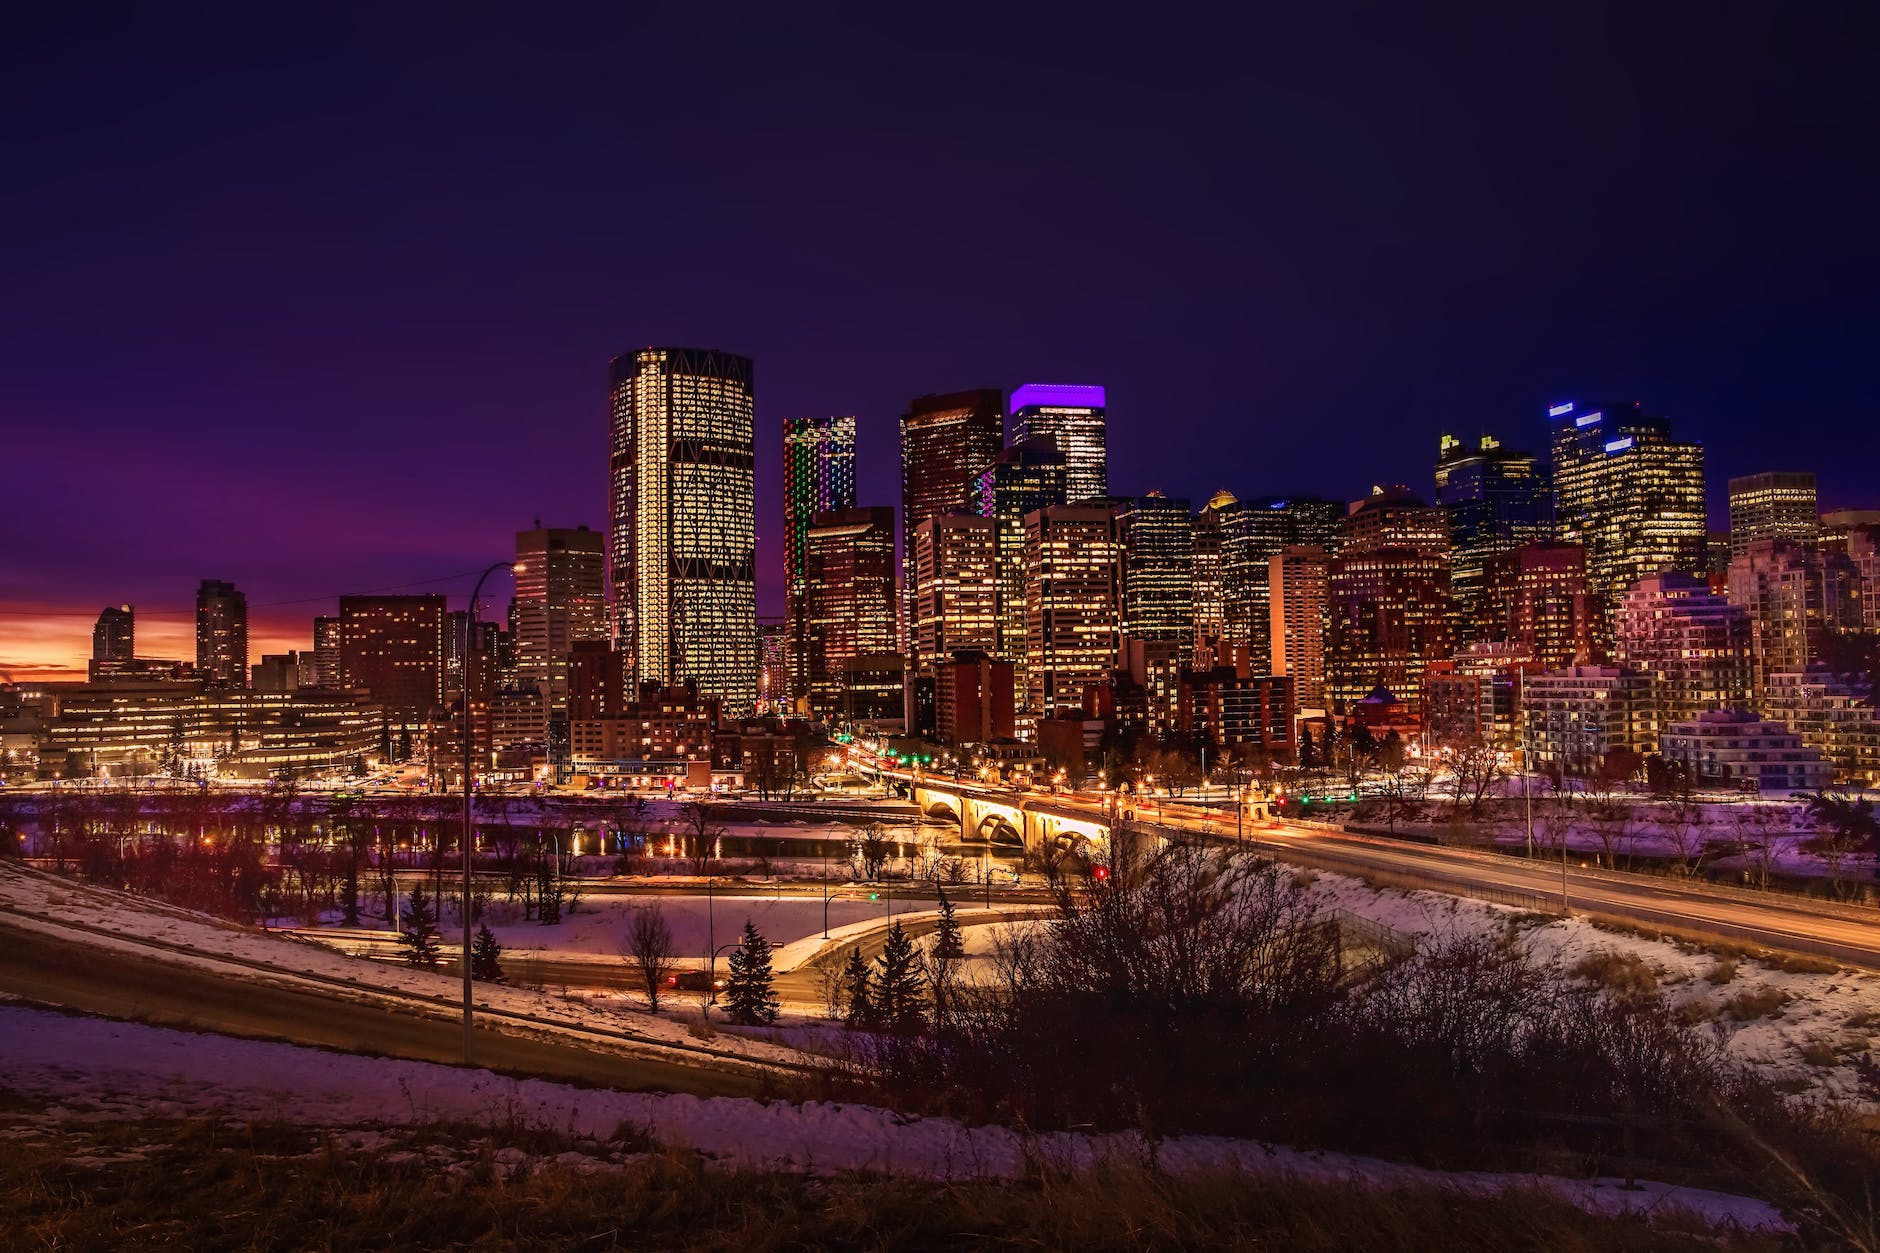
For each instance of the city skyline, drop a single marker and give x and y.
(387, 466)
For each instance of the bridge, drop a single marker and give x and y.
(996, 816)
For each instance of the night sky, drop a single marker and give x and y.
(323, 302)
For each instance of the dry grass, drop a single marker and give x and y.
(1798, 963)
(209, 1186)
(1820, 1053)
(1753, 1003)
(1622, 974)
(1722, 973)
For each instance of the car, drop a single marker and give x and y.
(695, 981)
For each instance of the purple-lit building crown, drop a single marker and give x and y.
(1073, 415)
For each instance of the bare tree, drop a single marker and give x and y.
(701, 836)
(651, 951)
(870, 850)
(1474, 767)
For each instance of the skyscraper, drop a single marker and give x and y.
(683, 558)
(1072, 415)
(1535, 598)
(1775, 505)
(1298, 591)
(946, 441)
(818, 478)
(1251, 532)
(393, 647)
(1390, 617)
(1027, 477)
(114, 636)
(1628, 493)
(326, 652)
(1796, 596)
(1157, 538)
(1496, 500)
(1072, 596)
(1210, 603)
(221, 633)
(560, 602)
(849, 598)
(1393, 516)
(956, 588)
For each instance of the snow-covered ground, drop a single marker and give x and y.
(100, 1070)
(598, 927)
(1810, 1039)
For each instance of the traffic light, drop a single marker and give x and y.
(874, 896)
(1100, 873)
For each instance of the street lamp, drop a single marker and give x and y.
(469, 739)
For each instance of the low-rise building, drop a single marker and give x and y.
(1834, 714)
(1572, 718)
(1731, 746)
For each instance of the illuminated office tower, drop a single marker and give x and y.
(1072, 416)
(1210, 605)
(1027, 477)
(1251, 532)
(1157, 538)
(946, 441)
(221, 633)
(326, 652)
(683, 559)
(956, 588)
(114, 636)
(1695, 645)
(1536, 599)
(818, 478)
(773, 675)
(1297, 583)
(393, 647)
(1796, 596)
(1073, 569)
(1497, 500)
(1393, 516)
(849, 598)
(1628, 493)
(560, 602)
(1389, 618)
(1775, 505)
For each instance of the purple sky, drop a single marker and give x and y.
(323, 301)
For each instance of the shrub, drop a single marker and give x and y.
(1721, 973)
(1819, 1053)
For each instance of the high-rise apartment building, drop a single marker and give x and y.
(1536, 599)
(1156, 534)
(1252, 531)
(114, 636)
(683, 556)
(1628, 493)
(393, 648)
(1390, 617)
(1775, 505)
(1693, 643)
(560, 602)
(1571, 719)
(1073, 572)
(1073, 417)
(1298, 584)
(818, 478)
(221, 633)
(1028, 476)
(848, 599)
(956, 588)
(326, 652)
(946, 440)
(1796, 596)
(1497, 500)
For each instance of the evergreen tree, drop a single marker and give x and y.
(486, 956)
(858, 991)
(947, 943)
(900, 988)
(1306, 761)
(419, 936)
(749, 997)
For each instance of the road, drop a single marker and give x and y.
(1844, 933)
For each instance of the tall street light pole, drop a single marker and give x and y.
(469, 742)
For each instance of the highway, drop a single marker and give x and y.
(1843, 933)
